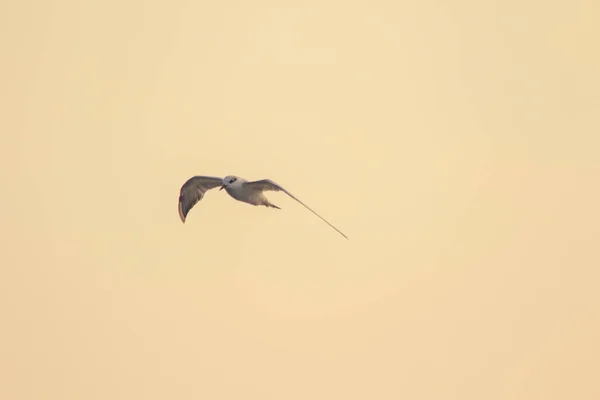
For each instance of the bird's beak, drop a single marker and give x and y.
(222, 187)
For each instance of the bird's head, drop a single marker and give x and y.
(228, 180)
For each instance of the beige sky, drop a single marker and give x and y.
(455, 142)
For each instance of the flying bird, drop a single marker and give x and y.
(240, 189)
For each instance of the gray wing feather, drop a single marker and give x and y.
(193, 191)
(269, 185)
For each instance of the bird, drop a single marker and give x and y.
(240, 189)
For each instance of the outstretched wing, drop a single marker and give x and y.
(193, 191)
(269, 185)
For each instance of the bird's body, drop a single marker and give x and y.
(240, 189)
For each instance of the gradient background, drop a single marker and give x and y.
(456, 143)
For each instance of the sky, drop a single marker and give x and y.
(454, 142)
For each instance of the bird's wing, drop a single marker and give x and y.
(269, 185)
(193, 191)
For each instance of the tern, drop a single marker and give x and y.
(193, 191)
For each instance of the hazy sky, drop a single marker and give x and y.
(456, 143)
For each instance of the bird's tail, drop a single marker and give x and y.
(268, 204)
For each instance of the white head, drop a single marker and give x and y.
(228, 181)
